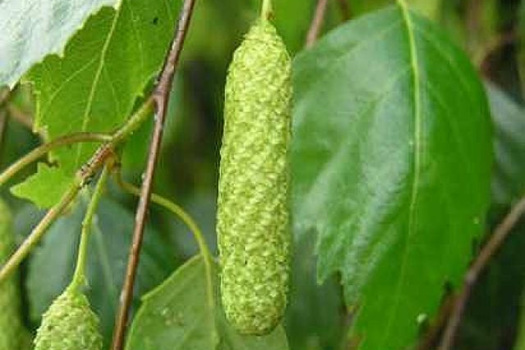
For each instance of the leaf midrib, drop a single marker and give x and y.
(98, 74)
(417, 162)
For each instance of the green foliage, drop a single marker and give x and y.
(176, 315)
(12, 331)
(393, 180)
(45, 187)
(253, 224)
(93, 87)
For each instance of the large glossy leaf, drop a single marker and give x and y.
(392, 158)
(33, 29)
(509, 119)
(178, 315)
(106, 65)
(52, 265)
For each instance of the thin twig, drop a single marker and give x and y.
(176, 209)
(473, 22)
(431, 336)
(45, 148)
(111, 141)
(161, 96)
(317, 23)
(79, 276)
(266, 9)
(134, 122)
(3, 130)
(481, 60)
(501, 232)
(82, 177)
(344, 8)
(19, 116)
(4, 96)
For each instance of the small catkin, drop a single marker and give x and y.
(69, 324)
(253, 220)
(12, 331)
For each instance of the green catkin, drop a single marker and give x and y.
(253, 222)
(12, 331)
(69, 324)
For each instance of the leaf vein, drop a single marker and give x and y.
(412, 219)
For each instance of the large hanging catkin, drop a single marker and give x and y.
(253, 206)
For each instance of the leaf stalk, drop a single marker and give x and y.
(79, 276)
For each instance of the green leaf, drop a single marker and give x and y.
(509, 118)
(429, 8)
(46, 187)
(177, 315)
(392, 161)
(52, 264)
(106, 65)
(31, 30)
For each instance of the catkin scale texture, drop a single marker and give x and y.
(69, 324)
(253, 202)
(12, 331)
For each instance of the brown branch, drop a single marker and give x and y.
(501, 232)
(499, 42)
(3, 129)
(431, 337)
(19, 116)
(4, 96)
(161, 96)
(317, 23)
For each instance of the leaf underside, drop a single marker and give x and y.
(391, 159)
(33, 29)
